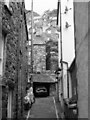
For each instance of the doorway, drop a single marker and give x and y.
(9, 108)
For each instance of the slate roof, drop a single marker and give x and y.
(34, 13)
(45, 78)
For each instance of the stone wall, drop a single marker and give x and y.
(81, 41)
(52, 89)
(15, 73)
(52, 55)
(39, 58)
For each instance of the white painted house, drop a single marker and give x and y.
(66, 35)
(67, 19)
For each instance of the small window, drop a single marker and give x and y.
(2, 54)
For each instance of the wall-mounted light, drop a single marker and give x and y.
(67, 9)
(67, 25)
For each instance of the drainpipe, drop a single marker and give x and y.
(68, 80)
(32, 43)
(61, 61)
(18, 65)
(27, 38)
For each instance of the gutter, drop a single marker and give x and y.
(26, 25)
(25, 21)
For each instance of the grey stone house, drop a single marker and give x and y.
(13, 59)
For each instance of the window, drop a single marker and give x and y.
(2, 54)
(49, 31)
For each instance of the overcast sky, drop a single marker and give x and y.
(40, 6)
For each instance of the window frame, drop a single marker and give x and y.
(3, 54)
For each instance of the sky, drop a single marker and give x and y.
(40, 6)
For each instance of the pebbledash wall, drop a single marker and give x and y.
(81, 12)
(14, 77)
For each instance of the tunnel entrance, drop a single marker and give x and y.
(41, 89)
(44, 85)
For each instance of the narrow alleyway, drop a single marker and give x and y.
(44, 107)
(43, 59)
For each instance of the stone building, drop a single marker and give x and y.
(51, 40)
(44, 31)
(39, 55)
(52, 55)
(13, 59)
(82, 34)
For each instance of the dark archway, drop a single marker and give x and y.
(37, 85)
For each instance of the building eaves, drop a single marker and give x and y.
(44, 78)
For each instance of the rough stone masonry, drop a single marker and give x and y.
(14, 76)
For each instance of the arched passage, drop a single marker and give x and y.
(41, 89)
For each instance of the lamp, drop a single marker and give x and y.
(67, 9)
(67, 25)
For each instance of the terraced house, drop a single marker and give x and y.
(13, 58)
